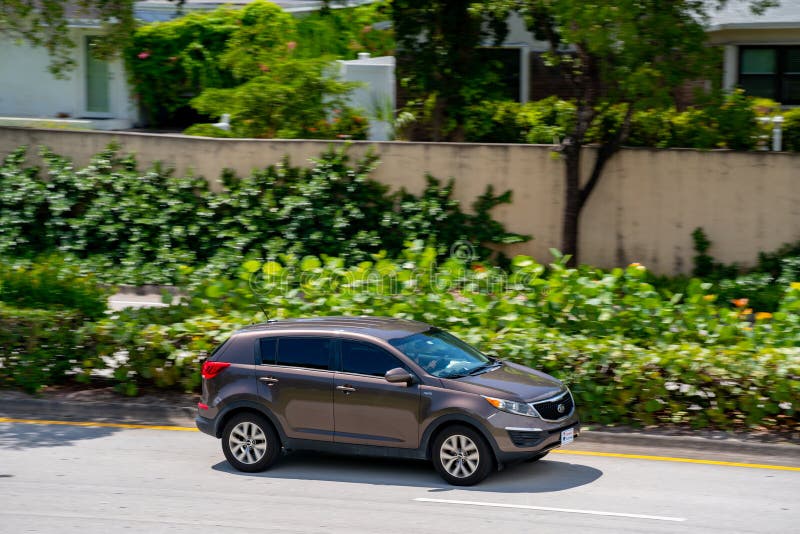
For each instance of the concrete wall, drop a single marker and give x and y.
(644, 209)
(28, 89)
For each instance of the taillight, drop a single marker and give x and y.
(212, 369)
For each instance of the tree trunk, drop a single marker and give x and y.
(575, 196)
(572, 203)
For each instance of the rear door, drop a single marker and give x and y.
(295, 381)
(368, 410)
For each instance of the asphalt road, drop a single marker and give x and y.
(59, 478)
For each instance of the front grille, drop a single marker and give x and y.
(526, 438)
(549, 410)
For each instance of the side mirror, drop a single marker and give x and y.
(398, 375)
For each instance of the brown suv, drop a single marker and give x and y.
(378, 386)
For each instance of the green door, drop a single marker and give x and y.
(96, 81)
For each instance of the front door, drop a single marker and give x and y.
(295, 381)
(368, 410)
(97, 80)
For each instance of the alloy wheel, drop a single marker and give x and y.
(248, 442)
(459, 456)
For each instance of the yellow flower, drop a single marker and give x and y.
(761, 316)
(748, 311)
(795, 285)
(709, 298)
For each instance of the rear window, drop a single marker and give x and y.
(311, 352)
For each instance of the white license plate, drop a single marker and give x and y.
(567, 436)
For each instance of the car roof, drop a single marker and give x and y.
(379, 327)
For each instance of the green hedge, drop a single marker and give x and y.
(731, 122)
(50, 283)
(151, 227)
(39, 347)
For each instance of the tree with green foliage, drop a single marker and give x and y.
(615, 56)
(264, 67)
(623, 54)
(440, 75)
(276, 94)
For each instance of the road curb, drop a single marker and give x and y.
(717, 443)
(103, 412)
(183, 415)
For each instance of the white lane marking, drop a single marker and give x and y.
(548, 509)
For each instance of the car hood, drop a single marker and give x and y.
(509, 381)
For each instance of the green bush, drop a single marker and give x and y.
(207, 130)
(344, 32)
(152, 227)
(791, 130)
(761, 287)
(171, 63)
(727, 121)
(540, 122)
(51, 284)
(38, 347)
(494, 122)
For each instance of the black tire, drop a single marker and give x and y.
(470, 460)
(255, 445)
(537, 457)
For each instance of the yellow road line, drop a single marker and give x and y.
(681, 460)
(557, 451)
(96, 424)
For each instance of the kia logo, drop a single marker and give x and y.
(560, 408)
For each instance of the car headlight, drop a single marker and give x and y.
(518, 408)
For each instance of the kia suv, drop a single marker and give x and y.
(378, 386)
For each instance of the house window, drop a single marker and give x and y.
(771, 72)
(97, 100)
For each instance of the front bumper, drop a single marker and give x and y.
(518, 437)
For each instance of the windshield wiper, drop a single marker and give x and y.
(493, 363)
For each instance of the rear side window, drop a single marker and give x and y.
(267, 348)
(311, 352)
(367, 359)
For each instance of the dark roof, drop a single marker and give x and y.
(380, 327)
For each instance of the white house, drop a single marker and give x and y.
(762, 52)
(94, 95)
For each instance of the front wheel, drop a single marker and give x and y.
(250, 443)
(461, 456)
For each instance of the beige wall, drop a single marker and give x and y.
(644, 209)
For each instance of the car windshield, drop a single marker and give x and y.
(441, 354)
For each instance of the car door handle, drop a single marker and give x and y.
(346, 389)
(269, 380)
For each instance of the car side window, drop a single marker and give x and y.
(367, 359)
(267, 348)
(311, 352)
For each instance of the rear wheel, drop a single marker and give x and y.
(250, 443)
(461, 456)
